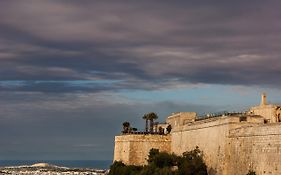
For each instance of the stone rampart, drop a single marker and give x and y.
(134, 149)
(257, 148)
(211, 136)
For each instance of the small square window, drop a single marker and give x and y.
(243, 119)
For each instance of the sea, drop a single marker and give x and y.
(96, 164)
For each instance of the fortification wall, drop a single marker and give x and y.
(257, 148)
(134, 149)
(211, 136)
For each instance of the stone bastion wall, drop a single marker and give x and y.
(257, 148)
(211, 136)
(133, 149)
(232, 146)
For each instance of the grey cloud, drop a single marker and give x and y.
(192, 42)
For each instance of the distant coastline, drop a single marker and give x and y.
(97, 164)
(43, 168)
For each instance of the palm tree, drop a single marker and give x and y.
(151, 117)
(145, 117)
(126, 126)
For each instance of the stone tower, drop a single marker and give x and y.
(263, 99)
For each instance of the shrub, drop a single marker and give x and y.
(163, 163)
(119, 168)
(152, 153)
(192, 163)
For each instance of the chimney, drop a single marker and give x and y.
(263, 99)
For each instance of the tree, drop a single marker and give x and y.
(126, 127)
(151, 117)
(163, 163)
(152, 153)
(145, 117)
(192, 163)
(161, 159)
(119, 168)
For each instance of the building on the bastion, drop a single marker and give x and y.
(271, 113)
(232, 143)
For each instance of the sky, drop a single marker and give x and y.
(71, 72)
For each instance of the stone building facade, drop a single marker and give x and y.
(232, 143)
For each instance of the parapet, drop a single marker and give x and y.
(181, 118)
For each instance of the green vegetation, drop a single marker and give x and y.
(126, 127)
(145, 117)
(150, 117)
(119, 168)
(192, 163)
(162, 163)
(151, 127)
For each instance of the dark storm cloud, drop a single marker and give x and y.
(193, 42)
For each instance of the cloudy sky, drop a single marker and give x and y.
(72, 71)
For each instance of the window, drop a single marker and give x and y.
(243, 119)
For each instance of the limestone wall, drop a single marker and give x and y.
(133, 149)
(211, 135)
(257, 147)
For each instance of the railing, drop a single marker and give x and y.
(219, 115)
(143, 133)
